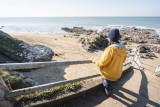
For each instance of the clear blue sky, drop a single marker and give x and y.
(44, 8)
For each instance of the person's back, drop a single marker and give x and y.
(111, 68)
(112, 60)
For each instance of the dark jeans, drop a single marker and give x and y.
(107, 84)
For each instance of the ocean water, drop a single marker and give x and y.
(53, 25)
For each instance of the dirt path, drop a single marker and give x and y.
(135, 88)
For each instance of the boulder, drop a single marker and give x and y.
(137, 35)
(105, 32)
(144, 49)
(23, 52)
(125, 38)
(128, 34)
(17, 73)
(153, 41)
(5, 59)
(31, 82)
(149, 48)
(94, 42)
(147, 55)
(78, 30)
(147, 51)
(155, 49)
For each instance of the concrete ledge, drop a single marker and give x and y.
(69, 96)
(87, 88)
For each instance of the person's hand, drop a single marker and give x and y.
(92, 60)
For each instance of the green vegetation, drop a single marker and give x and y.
(25, 100)
(81, 33)
(16, 82)
(13, 81)
(10, 44)
(69, 36)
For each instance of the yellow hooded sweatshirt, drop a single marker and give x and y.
(111, 62)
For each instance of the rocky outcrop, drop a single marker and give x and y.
(147, 51)
(28, 81)
(5, 59)
(78, 30)
(31, 82)
(149, 48)
(23, 52)
(155, 49)
(128, 35)
(137, 35)
(94, 42)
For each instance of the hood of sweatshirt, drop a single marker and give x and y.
(120, 48)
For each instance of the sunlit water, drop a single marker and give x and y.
(53, 25)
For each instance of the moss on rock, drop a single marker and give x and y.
(23, 52)
(13, 81)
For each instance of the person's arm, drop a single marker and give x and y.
(125, 57)
(106, 58)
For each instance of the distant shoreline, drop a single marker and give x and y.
(69, 33)
(72, 16)
(53, 25)
(65, 33)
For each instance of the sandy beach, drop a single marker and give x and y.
(68, 49)
(34, 34)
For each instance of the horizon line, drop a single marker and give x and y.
(72, 16)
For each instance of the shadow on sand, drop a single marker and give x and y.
(142, 97)
(98, 96)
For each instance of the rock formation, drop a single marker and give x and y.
(147, 51)
(78, 30)
(137, 35)
(94, 42)
(23, 52)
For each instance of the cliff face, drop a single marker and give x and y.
(23, 52)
